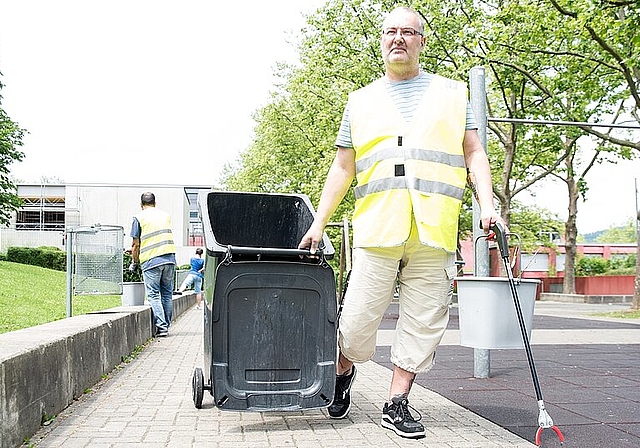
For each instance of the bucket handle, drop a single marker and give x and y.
(502, 239)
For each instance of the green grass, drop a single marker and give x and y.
(631, 314)
(30, 295)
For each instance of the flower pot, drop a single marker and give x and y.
(133, 293)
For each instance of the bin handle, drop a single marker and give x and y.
(273, 251)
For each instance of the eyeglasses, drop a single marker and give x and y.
(404, 32)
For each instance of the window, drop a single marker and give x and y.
(41, 213)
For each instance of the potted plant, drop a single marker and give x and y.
(132, 284)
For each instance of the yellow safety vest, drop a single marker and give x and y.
(156, 237)
(407, 170)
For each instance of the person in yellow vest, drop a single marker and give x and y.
(410, 140)
(153, 249)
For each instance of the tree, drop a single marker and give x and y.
(608, 50)
(535, 225)
(549, 62)
(10, 139)
(51, 180)
(542, 64)
(621, 234)
(295, 133)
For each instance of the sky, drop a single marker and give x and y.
(163, 92)
(611, 200)
(140, 91)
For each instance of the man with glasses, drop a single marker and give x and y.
(410, 140)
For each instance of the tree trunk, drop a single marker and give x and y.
(571, 235)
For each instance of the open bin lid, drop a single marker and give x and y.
(248, 222)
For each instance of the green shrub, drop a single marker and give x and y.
(48, 248)
(589, 266)
(44, 257)
(622, 271)
(620, 263)
(128, 276)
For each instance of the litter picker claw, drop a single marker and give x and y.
(544, 420)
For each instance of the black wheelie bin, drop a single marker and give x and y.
(270, 309)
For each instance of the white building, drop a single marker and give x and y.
(50, 209)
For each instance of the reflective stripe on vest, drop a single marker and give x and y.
(406, 169)
(156, 237)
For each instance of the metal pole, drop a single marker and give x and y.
(69, 242)
(637, 212)
(478, 97)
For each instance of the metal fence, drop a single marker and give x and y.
(94, 260)
(181, 274)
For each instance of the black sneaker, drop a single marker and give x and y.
(342, 398)
(396, 417)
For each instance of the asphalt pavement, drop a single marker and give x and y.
(588, 367)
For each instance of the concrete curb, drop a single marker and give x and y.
(44, 368)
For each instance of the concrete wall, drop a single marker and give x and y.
(598, 285)
(575, 298)
(43, 368)
(582, 298)
(12, 237)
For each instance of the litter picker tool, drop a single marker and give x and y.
(544, 420)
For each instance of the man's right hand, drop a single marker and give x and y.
(311, 239)
(133, 267)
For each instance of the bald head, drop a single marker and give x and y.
(407, 10)
(148, 199)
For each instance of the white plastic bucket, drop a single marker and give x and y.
(133, 293)
(487, 314)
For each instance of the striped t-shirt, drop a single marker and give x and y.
(406, 95)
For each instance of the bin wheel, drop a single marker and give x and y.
(197, 387)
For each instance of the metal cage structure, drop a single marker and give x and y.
(94, 261)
